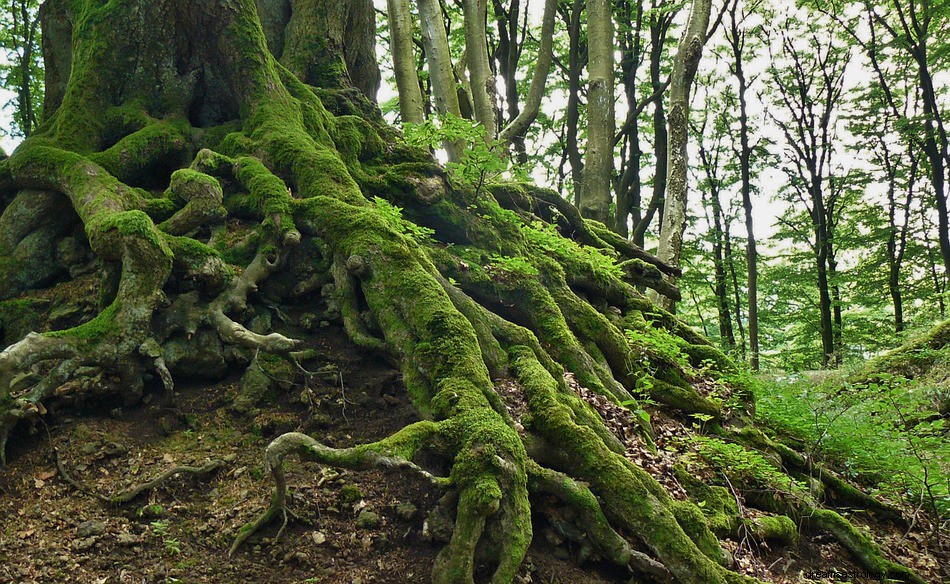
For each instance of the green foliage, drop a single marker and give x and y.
(546, 237)
(659, 344)
(746, 467)
(884, 434)
(160, 529)
(393, 216)
(482, 161)
(21, 69)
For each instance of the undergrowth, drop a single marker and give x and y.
(885, 434)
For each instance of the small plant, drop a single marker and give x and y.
(172, 545)
(746, 467)
(658, 344)
(393, 216)
(482, 161)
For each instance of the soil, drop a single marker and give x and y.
(350, 528)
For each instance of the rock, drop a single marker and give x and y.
(83, 544)
(319, 538)
(201, 356)
(254, 385)
(406, 511)
(368, 519)
(127, 539)
(90, 528)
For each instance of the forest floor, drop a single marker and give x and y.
(353, 528)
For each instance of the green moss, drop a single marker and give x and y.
(356, 140)
(694, 524)
(773, 528)
(19, 317)
(350, 494)
(160, 209)
(717, 503)
(138, 157)
(626, 490)
(103, 325)
(860, 544)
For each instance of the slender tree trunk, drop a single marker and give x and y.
(577, 56)
(404, 62)
(440, 67)
(515, 130)
(731, 264)
(719, 264)
(481, 79)
(681, 80)
(736, 38)
(659, 27)
(629, 188)
(599, 159)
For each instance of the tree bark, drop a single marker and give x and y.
(599, 157)
(481, 79)
(516, 128)
(737, 38)
(684, 71)
(404, 62)
(439, 61)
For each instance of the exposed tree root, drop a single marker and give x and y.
(128, 495)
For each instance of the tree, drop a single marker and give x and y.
(737, 36)
(808, 88)
(22, 73)
(244, 179)
(685, 66)
(404, 62)
(439, 62)
(599, 161)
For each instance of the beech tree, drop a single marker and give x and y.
(203, 159)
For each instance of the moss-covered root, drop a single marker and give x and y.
(592, 521)
(631, 498)
(393, 453)
(235, 298)
(860, 545)
(118, 232)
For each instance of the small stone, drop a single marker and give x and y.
(127, 539)
(368, 519)
(318, 537)
(83, 544)
(406, 511)
(90, 528)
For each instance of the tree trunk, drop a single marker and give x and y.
(599, 159)
(736, 38)
(516, 128)
(681, 80)
(440, 67)
(481, 79)
(659, 27)
(404, 62)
